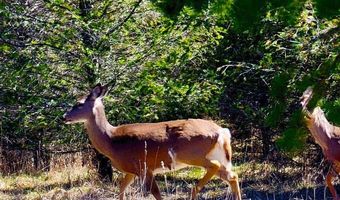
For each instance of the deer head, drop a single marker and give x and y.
(84, 109)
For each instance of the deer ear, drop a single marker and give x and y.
(306, 97)
(104, 90)
(96, 91)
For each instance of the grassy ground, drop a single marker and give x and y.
(258, 181)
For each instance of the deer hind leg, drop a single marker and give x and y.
(232, 178)
(329, 184)
(151, 185)
(212, 168)
(334, 171)
(125, 182)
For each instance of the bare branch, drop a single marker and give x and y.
(126, 18)
(107, 5)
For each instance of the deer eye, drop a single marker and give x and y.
(78, 105)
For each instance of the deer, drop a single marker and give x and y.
(326, 135)
(143, 150)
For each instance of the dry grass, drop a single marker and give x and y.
(69, 183)
(259, 181)
(83, 183)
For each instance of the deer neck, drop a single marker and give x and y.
(99, 131)
(320, 129)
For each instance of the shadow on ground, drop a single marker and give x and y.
(217, 189)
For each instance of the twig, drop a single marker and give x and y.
(126, 18)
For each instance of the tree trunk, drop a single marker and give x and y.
(265, 137)
(101, 162)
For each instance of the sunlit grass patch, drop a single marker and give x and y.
(187, 173)
(36, 186)
(178, 184)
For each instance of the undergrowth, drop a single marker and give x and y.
(258, 181)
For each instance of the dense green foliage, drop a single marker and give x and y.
(246, 62)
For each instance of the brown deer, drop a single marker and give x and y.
(142, 150)
(326, 135)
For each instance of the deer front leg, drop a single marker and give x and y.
(152, 186)
(125, 182)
